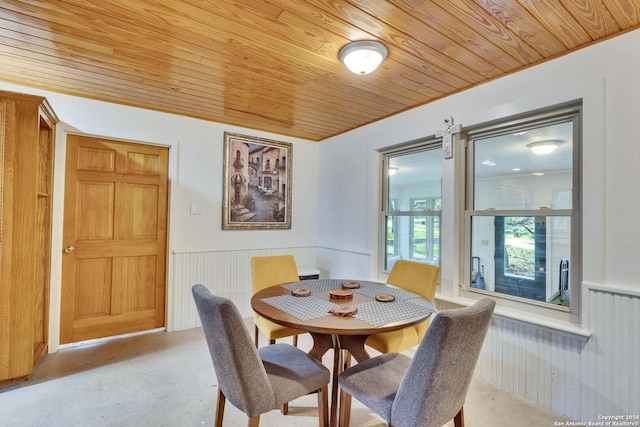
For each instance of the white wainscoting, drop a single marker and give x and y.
(581, 378)
(225, 273)
(338, 264)
(577, 377)
(228, 274)
(611, 363)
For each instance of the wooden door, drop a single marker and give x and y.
(115, 237)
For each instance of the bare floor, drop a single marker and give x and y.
(167, 379)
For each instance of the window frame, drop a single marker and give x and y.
(395, 227)
(563, 112)
(429, 143)
(430, 222)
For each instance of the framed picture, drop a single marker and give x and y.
(257, 183)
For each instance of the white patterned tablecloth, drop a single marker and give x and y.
(370, 289)
(382, 313)
(308, 309)
(373, 312)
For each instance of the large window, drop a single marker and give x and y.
(411, 204)
(523, 209)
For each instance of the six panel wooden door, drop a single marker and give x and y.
(115, 238)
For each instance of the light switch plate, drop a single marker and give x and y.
(195, 209)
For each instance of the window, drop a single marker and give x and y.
(392, 227)
(523, 210)
(411, 204)
(425, 230)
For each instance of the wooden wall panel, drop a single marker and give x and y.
(26, 145)
(143, 200)
(95, 217)
(273, 66)
(92, 294)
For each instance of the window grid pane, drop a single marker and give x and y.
(509, 175)
(521, 256)
(521, 217)
(411, 212)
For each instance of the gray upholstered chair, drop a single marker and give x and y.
(255, 380)
(430, 389)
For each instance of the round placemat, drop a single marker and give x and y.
(301, 292)
(348, 310)
(385, 298)
(350, 285)
(340, 294)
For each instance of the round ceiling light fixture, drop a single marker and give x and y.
(544, 147)
(363, 57)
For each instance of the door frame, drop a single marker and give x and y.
(55, 285)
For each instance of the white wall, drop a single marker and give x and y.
(195, 176)
(564, 370)
(196, 152)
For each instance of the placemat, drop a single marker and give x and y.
(371, 289)
(316, 285)
(313, 306)
(381, 313)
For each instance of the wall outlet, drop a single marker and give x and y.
(195, 209)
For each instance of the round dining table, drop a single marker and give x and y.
(372, 308)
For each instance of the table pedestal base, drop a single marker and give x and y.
(353, 344)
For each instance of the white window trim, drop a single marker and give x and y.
(527, 311)
(516, 314)
(430, 142)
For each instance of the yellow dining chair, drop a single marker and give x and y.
(416, 277)
(269, 271)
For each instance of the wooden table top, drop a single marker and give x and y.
(329, 323)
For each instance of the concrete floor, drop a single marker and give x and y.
(167, 379)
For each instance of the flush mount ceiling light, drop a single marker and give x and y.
(392, 170)
(544, 147)
(362, 57)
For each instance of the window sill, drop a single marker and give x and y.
(528, 318)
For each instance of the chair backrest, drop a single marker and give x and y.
(239, 369)
(272, 270)
(417, 277)
(442, 367)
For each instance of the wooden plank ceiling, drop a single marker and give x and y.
(272, 65)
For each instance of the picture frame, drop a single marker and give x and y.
(256, 183)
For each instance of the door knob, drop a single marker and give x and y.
(69, 250)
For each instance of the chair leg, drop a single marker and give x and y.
(337, 356)
(284, 409)
(346, 360)
(323, 406)
(345, 398)
(458, 420)
(256, 336)
(220, 408)
(345, 409)
(295, 340)
(254, 422)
